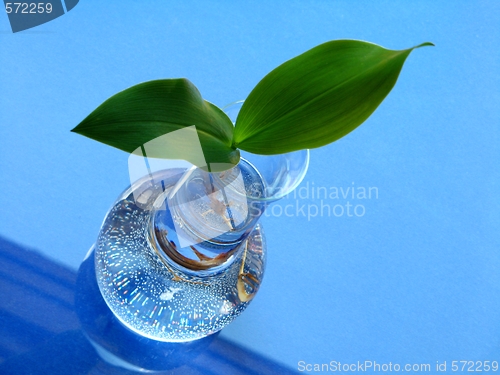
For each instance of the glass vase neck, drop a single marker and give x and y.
(202, 222)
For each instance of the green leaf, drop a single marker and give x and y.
(144, 112)
(317, 97)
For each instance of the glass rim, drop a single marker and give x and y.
(281, 193)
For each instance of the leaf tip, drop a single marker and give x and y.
(426, 44)
(76, 129)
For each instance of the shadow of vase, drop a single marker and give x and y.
(117, 344)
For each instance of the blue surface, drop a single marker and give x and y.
(70, 312)
(414, 280)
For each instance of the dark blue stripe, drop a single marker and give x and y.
(34, 290)
(37, 265)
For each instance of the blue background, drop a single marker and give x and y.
(414, 280)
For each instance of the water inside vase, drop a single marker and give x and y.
(148, 291)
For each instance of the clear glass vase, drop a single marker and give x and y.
(181, 253)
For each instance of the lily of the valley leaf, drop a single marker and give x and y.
(142, 113)
(317, 97)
